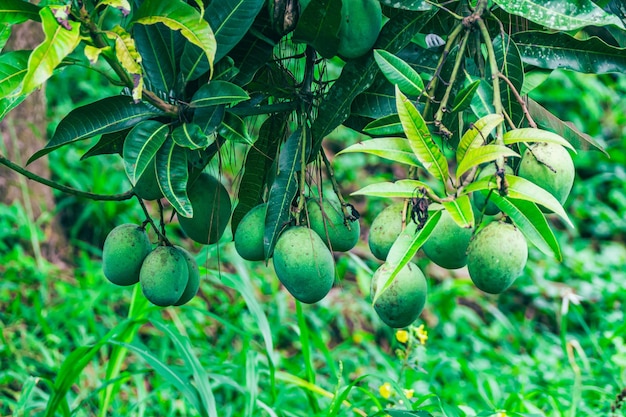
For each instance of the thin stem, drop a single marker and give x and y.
(519, 99)
(335, 184)
(68, 190)
(160, 233)
(493, 64)
(455, 70)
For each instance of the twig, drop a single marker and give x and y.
(519, 99)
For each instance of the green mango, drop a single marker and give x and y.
(125, 249)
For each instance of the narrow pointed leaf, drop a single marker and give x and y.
(385, 126)
(529, 134)
(420, 140)
(18, 11)
(399, 73)
(410, 241)
(190, 135)
(58, 43)
(401, 189)
(108, 115)
(140, 147)
(460, 210)
(522, 189)
(510, 65)
(394, 149)
(234, 129)
(464, 97)
(481, 155)
(172, 174)
(477, 134)
(532, 223)
(110, 143)
(157, 45)
(13, 67)
(218, 92)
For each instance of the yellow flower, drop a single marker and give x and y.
(385, 390)
(408, 393)
(421, 334)
(402, 336)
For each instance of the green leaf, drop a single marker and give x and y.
(283, 190)
(561, 14)
(385, 126)
(357, 75)
(399, 73)
(110, 114)
(559, 50)
(394, 149)
(377, 101)
(460, 210)
(567, 130)
(58, 43)
(401, 188)
(420, 140)
(464, 97)
(178, 15)
(5, 33)
(481, 155)
(531, 221)
(141, 145)
(477, 134)
(529, 134)
(13, 67)
(522, 189)
(209, 118)
(110, 143)
(403, 250)
(234, 129)
(413, 5)
(510, 65)
(218, 92)
(190, 135)
(172, 174)
(14, 12)
(318, 26)
(127, 55)
(9, 103)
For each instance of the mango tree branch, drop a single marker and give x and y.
(520, 100)
(455, 70)
(65, 189)
(493, 64)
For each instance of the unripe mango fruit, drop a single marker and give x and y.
(479, 198)
(550, 166)
(147, 187)
(385, 229)
(303, 264)
(328, 221)
(401, 303)
(496, 256)
(447, 245)
(164, 276)
(249, 234)
(211, 210)
(193, 283)
(361, 21)
(125, 249)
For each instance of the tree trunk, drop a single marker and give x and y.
(23, 132)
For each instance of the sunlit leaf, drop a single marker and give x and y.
(481, 155)
(127, 55)
(401, 188)
(394, 149)
(477, 134)
(523, 189)
(399, 73)
(17, 11)
(529, 134)
(13, 67)
(460, 210)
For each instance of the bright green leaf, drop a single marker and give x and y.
(481, 155)
(141, 145)
(464, 97)
(14, 12)
(477, 134)
(385, 126)
(529, 134)
(401, 189)
(13, 67)
(523, 189)
(394, 149)
(127, 55)
(399, 73)
(234, 129)
(460, 210)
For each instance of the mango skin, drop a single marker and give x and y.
(533, 167)
(164, 276)
(361, 21)
(249, 234)
(125, 248)
(193, 283)
(447, 245)
(147, 187)
(480, 198)
(327, 221)
(211, 210)
(303, 264)
(404, 300)
(384, 230)
(496, 256)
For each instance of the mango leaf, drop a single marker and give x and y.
(460, 210)
(413, 5)
(14, 12)
(110, 143)
(108, 115)
(318, 26)
(234, 129)
(464, 97)
(191, 136)
(283, 191)
(523, 189)
(482, 154)
(13, 67)
(9, 103)
(172, 174)
(385, 126)
(401, 188)
(482, 102)
(58, 43)
(399, 73)
(531, 222)
(142, 143)
(510, 65)
(5, 33)
(377, 101)
(560, 50)
(357, 75)
(127, 55)
(122, 5)
(178, 15)
(411, 241)
(477, 134)
(159, 49)
(420, 140)
(209, 118)
(218, 92)
(394, 149)
(561, 14)
(529, 134)
(256, 168)
(567, 130)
